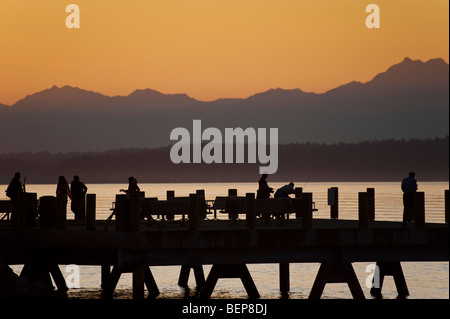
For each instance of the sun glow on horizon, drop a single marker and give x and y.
(211, 49)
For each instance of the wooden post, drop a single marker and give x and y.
(307, 201)
(30, 210)
(47, 212)
(104, 276)
(202, 203)
(250, 211)
(363, 210)
(26, 210)
(193, 212)
(170, 195)
(446, 205)
(61, 211)
(234, 215)
(333, 201)
(134, 211)
(20, 212)
(371, 203)
(138, 283)
(419, 209)
(284, 278)
(298, 196)
(121, 213)
(90, 211)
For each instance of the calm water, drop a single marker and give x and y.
(425, 280)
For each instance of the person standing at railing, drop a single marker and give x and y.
(132, 186)
(264, 190)
(409, 187)
(78, 190)
(14, 189)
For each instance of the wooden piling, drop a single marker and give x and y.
(170, 195)
(202, 203)
(90, 211)
(26, 210)
(20, 211)
(363, 210)
(134, 211)
(104, 275)
(284, 278)
(298, 195)
(233, 215)
(121, 213)
(307, 200)
(333, 201)
(446, 205)
(61, 211)
(371, 203)
(47, 212)
(193, 212)
(419, 209)
(138, 282)
(250, 211)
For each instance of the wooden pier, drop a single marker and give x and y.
(136, 239)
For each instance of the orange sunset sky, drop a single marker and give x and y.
(211, 49)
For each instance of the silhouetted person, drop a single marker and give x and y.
(132, 186)
(284, 191)
(409, 187)
(13, 191)
(264, 190)
(63, 188)
(78, 190)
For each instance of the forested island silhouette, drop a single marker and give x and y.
(365, 161)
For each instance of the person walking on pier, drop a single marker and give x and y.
(264, 190)
(409, 187)
(78, 190)
(13, 191)
(284, 191)
(132, 186)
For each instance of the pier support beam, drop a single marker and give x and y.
(40, 272)
(389, 269)
(339, 272)
(198, 273)
(141, 276)
(229, 271)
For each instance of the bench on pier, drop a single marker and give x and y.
(5, 209)
(220, 205)
(167, 209)
(279, 207)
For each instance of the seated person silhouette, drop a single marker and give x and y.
(284, 191)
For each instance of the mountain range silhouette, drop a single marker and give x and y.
(409, 100)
